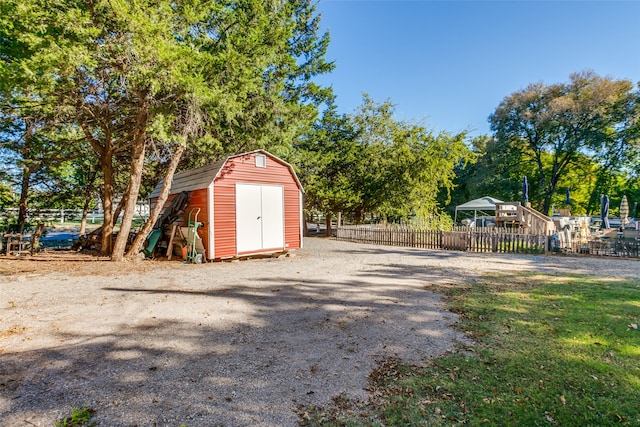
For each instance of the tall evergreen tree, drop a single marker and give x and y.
(327, 159)
(214, 76)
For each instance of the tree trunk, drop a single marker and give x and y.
(106, 164)
(131, 198)
(357, 216)
(546, 206)
(327, 221)
(546, 203)
(136, 246)
(87, 200)
(118, 211)
(308, 218)
(27, 172)
(24, 194)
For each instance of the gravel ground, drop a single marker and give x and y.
(231, 344)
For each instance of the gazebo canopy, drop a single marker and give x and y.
(482, 205)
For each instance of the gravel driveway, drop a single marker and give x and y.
(232, 344)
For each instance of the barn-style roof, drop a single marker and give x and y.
(201, 177)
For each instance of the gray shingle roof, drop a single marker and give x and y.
(190, 180)
(201, 177)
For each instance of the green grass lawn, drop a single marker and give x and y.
(549, 351)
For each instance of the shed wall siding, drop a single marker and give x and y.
(198, 199)
(242, 169)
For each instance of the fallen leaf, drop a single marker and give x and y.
(563, 400)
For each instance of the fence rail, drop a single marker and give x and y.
(62, 215)
(47, 215)
(481, 240)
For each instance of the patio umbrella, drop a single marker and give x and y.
(604, 211)
(567, 197)
(624, 211)
(525, 190)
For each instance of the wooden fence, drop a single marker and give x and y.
(501, 240)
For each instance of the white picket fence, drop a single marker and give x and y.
(66, 215)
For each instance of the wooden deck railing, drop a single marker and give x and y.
(529, 220)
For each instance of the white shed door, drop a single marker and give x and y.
(259, 217)
(272, 217)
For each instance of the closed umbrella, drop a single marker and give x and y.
(604, 211)
(525, 190)
(624, 211)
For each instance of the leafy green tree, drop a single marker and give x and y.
(404, 164)
(36, 148)
(498, 171)
(430, 170)
(371, 163)
(215, 76)
(326, 159)
(6, 195)
(33, 132)
(555, 126)
(494, 170)
(262, 65)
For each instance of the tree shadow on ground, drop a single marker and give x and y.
(457, 261)
(232, 355)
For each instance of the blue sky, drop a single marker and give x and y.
(452, 62)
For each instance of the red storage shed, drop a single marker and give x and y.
(249, 203)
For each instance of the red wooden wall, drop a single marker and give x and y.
(198, 199)
(242, 169)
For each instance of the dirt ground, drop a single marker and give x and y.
(232, 344)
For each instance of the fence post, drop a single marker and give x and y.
(547, 244)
